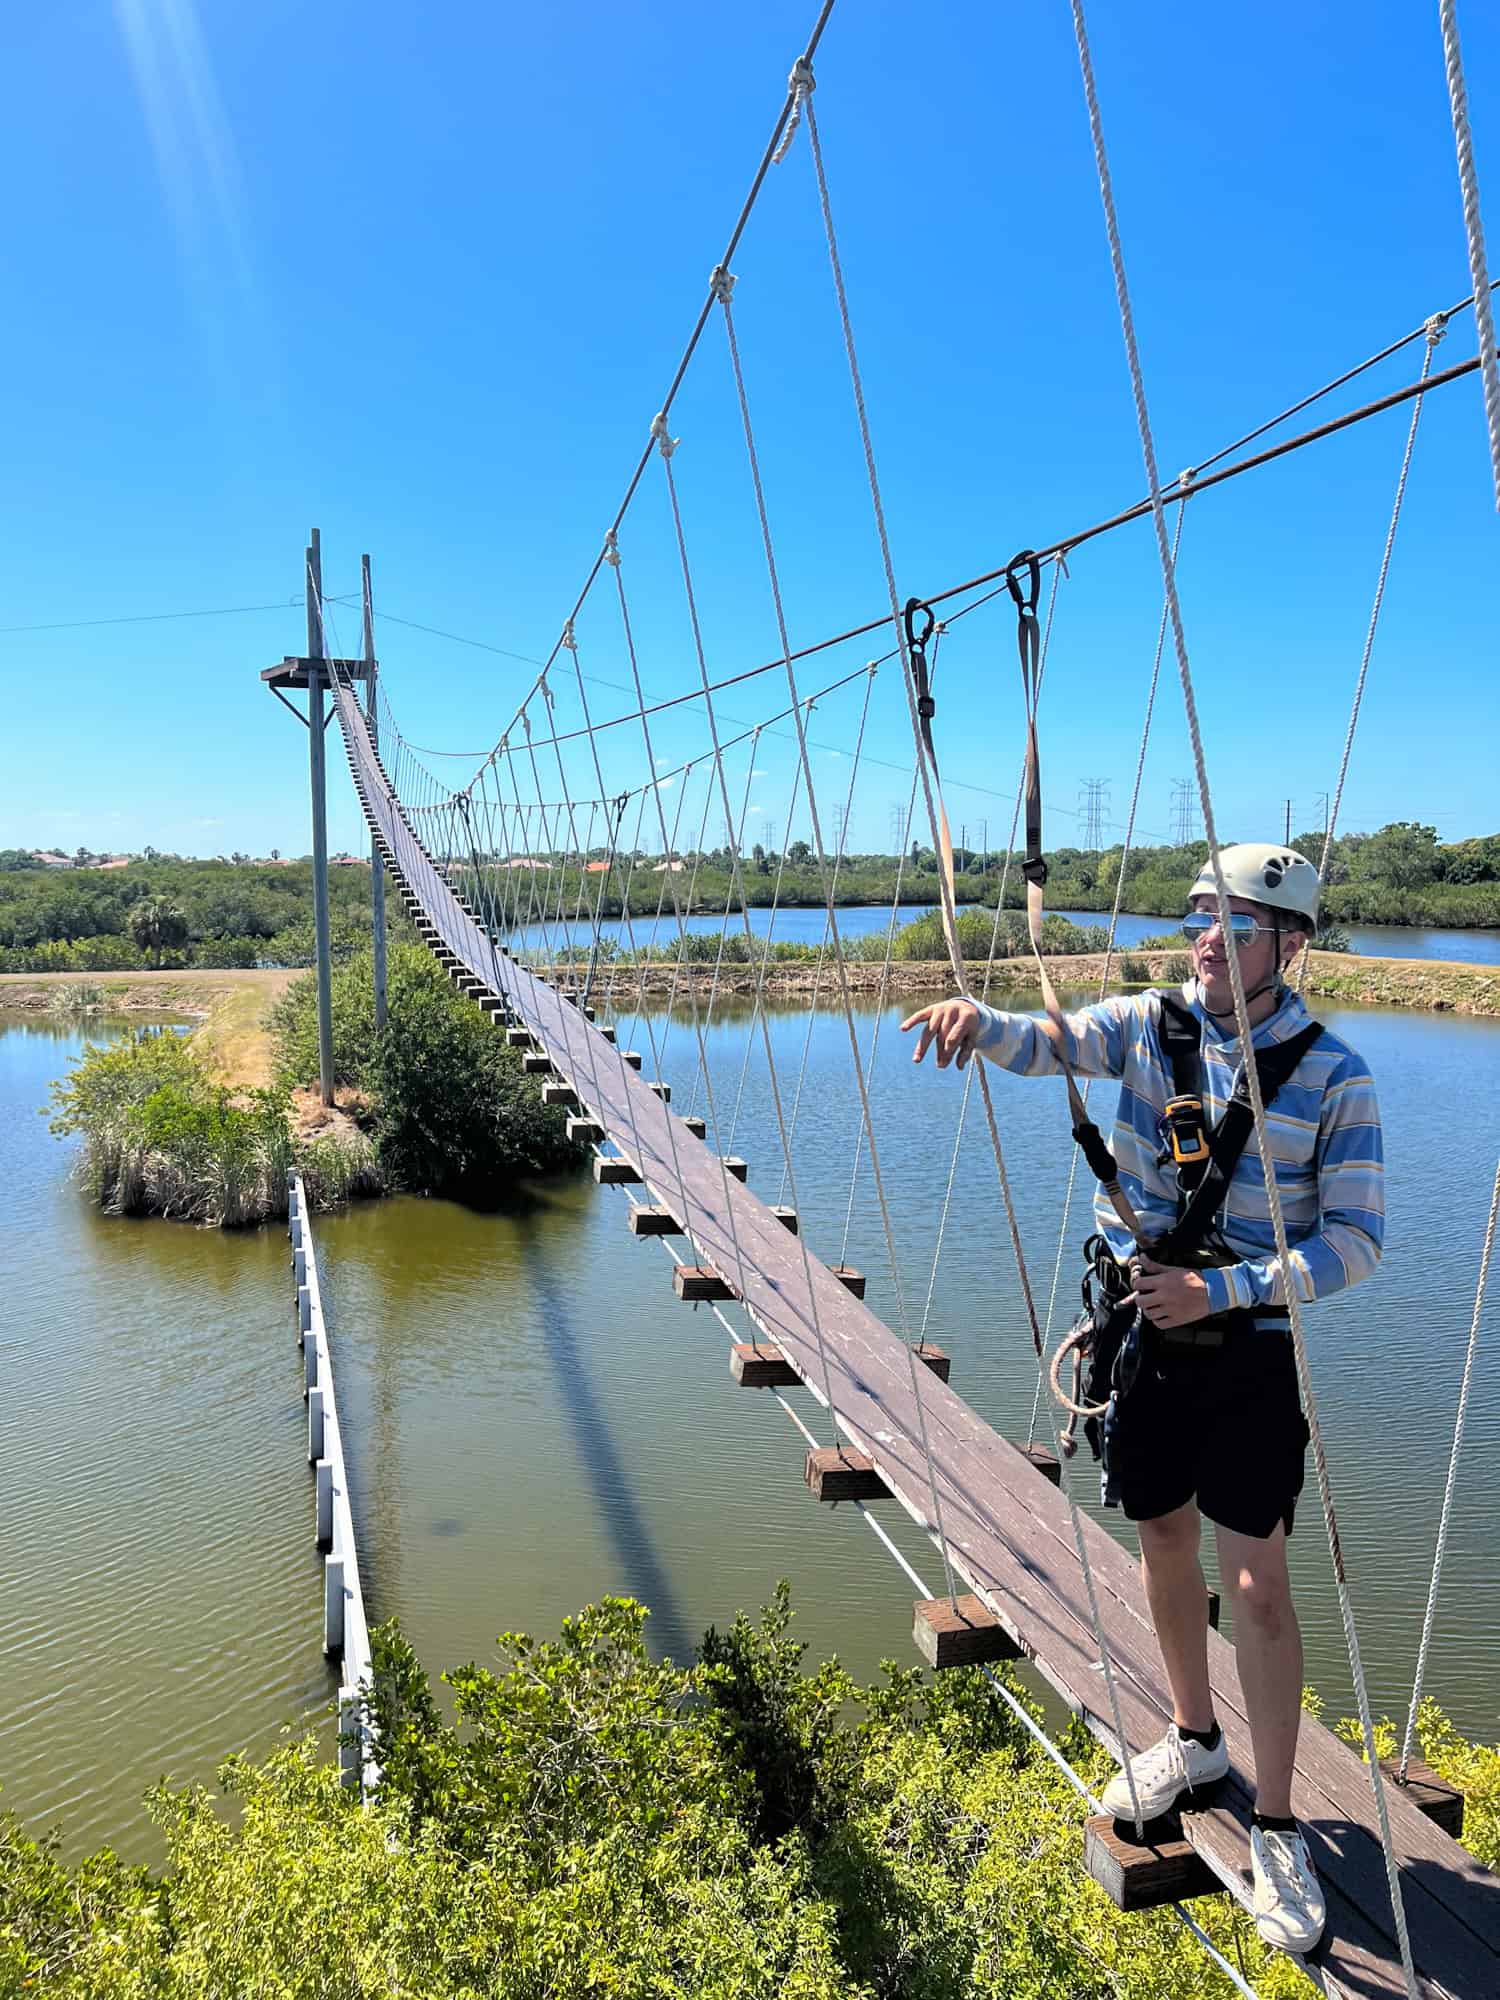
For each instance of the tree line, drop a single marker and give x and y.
(171, 911)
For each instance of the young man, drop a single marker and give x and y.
(1213, 1424)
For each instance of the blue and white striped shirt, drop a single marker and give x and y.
(1324, 1129)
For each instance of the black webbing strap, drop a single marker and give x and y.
(1023, 579)
(919, 625)
(1274, 1065)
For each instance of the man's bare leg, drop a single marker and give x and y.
(1268, 1649)
(1178, 1597)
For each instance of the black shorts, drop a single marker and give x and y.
(1219, 1425)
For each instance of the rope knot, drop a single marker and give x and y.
(571, 643)
(612, 549)
(666, 443)
(1435, 328)
(1186, 477)
(801, 83)
(721, 284)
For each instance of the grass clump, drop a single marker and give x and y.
(162, 1137)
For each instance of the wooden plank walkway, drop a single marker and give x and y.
(1009, 1530)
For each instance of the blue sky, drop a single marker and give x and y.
(422, 280)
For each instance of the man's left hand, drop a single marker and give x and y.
(1168, 1295)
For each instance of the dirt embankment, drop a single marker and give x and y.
(1440, 985)
(229, 1006)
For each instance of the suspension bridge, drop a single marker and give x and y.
(513, 879)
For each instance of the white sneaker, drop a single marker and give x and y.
(1290, 1911)
(1163, 1773)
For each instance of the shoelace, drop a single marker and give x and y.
(1284, 1860)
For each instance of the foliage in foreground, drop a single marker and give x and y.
(450, 1110)
(596, 1823)
(161, 1137)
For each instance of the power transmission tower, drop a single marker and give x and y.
(1184, 812)
(898, 827)
(1093, 811)
(840, 814)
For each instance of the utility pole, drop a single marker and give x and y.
(1093, 803)
(984, 842)
(1288, 823)
(1184, 812)
(313, 670)
(377, 866)
(316, 722)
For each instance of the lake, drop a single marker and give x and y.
(534, 1420)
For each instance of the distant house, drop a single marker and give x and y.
(46, 858)
(596, 868)
(523, 861)
(663, 867)
(349, 861)
(113, 861)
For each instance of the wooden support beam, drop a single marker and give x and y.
(696, 1125)
(1213, 1609)
(1161, 1868)
(538, 1063)
(934, 1358)
(646, 1221)
(1429, 1794)
(559, 1095)
(698, 1283)
(964, 1633)
(839, 1472)
(631, 1058)
(615, 1173)
(853, 1281)
(735, 1166)
(787, 1217)
(520, 1038)
(581, 1127)
(755, 1367)
(663, 1090)
(608, 1032)
(1045, 1461)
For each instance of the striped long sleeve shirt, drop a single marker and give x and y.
(1324, 1129)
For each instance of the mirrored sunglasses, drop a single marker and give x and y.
(1243, 928)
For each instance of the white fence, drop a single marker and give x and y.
(346, 1636)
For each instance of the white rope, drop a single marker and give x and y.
(1468, 181)
(1437, 326)
(1114, 925)
(950, 925)
(1452, 1486)
(841, 972)
(1241, 1012)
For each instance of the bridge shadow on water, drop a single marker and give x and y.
(643, 1574)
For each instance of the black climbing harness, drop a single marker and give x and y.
(1110, 1341)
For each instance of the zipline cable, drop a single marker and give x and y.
(1468, 181)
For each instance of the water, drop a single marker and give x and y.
(803, 926)
(534, 1420)
(159, 1589)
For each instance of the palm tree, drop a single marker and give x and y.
(157, 924)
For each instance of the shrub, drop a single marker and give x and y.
(451, 1111)
(596, 1822)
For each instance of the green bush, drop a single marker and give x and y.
(979, 935)
(450, 1110)
(593, 1822)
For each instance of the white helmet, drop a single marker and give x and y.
(1279, 877)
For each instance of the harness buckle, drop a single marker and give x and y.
(1185, 1131)
(926, 707)
(1035, 871)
